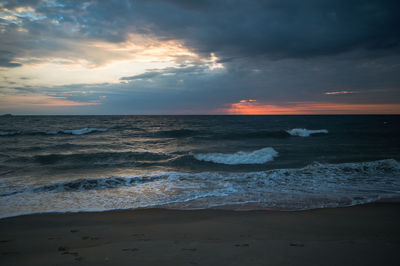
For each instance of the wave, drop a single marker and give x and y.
(95, 183)
(254, 157)
(258, 134)
(176, 133)
(95, 158)
(66, 146)
(8, 133)
(314, 186)
(81, 131)
(87, 184)
(127, 127)
(254, 135)
(183, 133)
(302, 132)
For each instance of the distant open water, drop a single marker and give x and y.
(92, 163)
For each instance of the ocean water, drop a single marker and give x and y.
(92, 163)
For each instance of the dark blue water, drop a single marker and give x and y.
(75, 163)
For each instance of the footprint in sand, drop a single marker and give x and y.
(63, 248)
(70, 253)
(141, 235)
(130, 249)
(296, 244)
(90, 238)
(65, 251)
(189, 249)
(242, 245)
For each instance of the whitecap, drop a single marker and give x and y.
(52, 132)
(83, 131)
(8, 133)
(318, 185)
(254, 157)
(302, 132)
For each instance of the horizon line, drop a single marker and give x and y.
(347, 114)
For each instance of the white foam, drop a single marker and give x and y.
(255, 157)
(83, 131)
(52, 132)
(302, 132)
(314, 186)
(5, 133)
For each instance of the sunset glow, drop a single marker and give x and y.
(339, 92)
(123, 108)
(196, 57)
(253, 107)
(13, 102)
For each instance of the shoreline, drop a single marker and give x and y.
(248, 207)
(365, 234)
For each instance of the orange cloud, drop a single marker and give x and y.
(247, 107)
(12, 102)
(339, 92)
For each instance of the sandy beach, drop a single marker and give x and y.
(360, 235)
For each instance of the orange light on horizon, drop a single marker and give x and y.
(11, 102)
(253, 107)
(339, 92)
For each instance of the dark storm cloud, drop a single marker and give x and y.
(274, 82)
(247, 28)
(178, 71)
(25, 89)
(147, 75)
(12, 4)
(229, 28)
(273, 51)
(6, 59)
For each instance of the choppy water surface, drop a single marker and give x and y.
(76, 163)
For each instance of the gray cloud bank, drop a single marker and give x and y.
(272, 50)
(278, 29)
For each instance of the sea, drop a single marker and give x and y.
(285, 163)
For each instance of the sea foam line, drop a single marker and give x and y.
(303, 132)
(313, 186)
(81, 131)
(254, 157)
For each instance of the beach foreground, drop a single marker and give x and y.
(360, 235)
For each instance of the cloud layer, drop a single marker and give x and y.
(200, 56)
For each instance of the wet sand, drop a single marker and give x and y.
(361, 235)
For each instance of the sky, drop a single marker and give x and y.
(200, 57)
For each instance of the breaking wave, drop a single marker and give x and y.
(81, 131)
(8, 133)
(176, 133)
(95, 157)
(95, 183)
(254, 157)
(238, 135)
(314, 186)
(254, 135)
(302, 132)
